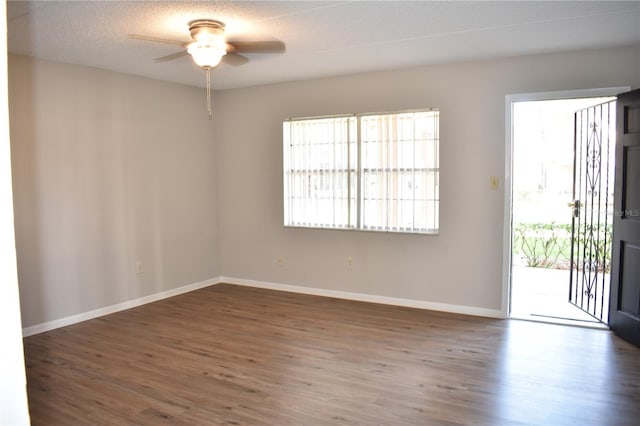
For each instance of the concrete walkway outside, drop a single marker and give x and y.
(542, 294)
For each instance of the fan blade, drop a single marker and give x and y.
(234, 59)
(158, 40)
(266, 46)
(171, 57)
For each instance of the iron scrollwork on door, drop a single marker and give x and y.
(592, 219)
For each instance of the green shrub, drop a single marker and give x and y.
(548, 245)
(543, 245)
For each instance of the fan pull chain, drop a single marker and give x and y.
(209, 94)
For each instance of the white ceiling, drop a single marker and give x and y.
(323, 38)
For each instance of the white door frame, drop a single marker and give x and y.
(508, 171)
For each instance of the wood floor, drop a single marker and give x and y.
(237, 355)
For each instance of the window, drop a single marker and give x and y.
(374, 172)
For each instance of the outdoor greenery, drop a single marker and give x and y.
(548, 245)
(543, 245)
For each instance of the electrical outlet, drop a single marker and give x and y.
(139, 267)
(280, 261)
(349, 262)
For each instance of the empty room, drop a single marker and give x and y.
(311, 212)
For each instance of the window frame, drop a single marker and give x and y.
(359, 196)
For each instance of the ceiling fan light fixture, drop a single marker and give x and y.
(209, 46)
(206, 30)
(206, 54)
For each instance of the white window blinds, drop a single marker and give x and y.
(374, 172)
(320, 172)
(399, 168)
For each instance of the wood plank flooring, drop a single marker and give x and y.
(238, 355)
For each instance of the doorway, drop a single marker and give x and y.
(562, 176)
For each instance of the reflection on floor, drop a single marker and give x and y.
(542, 295)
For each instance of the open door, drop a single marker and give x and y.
(591, 227)
(624, 311)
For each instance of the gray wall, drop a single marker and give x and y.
(108, 169)
(463, 265)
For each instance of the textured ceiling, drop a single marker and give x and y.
(322, 38)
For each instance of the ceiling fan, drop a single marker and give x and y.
(209, 47)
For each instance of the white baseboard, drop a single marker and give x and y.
(73, 319)
(362, 297)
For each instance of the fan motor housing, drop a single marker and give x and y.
(204, 29)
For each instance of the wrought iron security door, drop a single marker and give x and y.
(592, 224)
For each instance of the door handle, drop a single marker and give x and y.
(575, 205)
